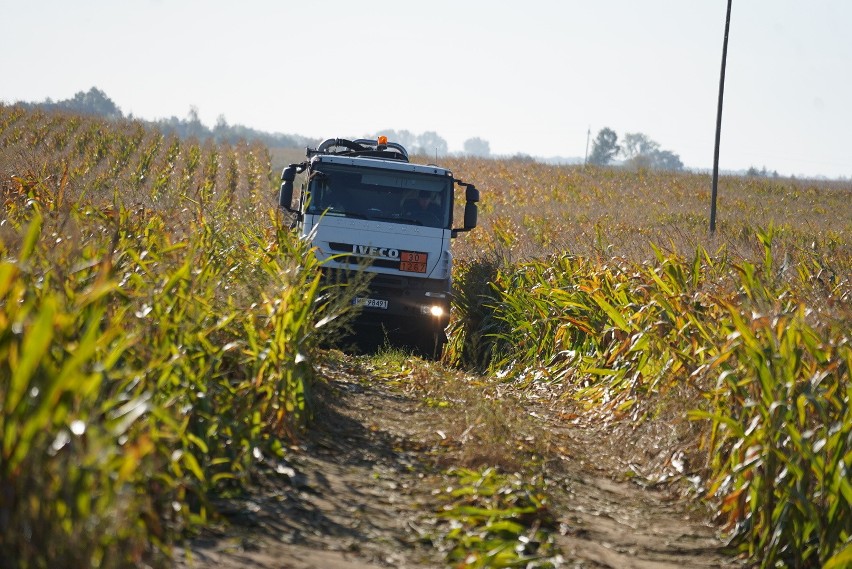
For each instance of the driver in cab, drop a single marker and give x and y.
(425, 210)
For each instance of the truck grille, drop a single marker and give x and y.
(351, 259)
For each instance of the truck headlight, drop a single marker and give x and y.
(433, 310)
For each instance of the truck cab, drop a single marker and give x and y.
(366, 208)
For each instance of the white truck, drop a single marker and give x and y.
(367, 208)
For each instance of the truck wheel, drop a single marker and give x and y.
(431, 345)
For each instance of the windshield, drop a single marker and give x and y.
(384, 195)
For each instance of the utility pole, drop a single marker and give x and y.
(588, 135)
(714, 192)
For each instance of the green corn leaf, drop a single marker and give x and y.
(202, 446)
(662, 286)
(31, 238)
(35, 345)
(183, 273)
(602, 371)
(840, 560)
(191, 463)
(8, 275)
(506, 526)
(613, 314)
(735, 427)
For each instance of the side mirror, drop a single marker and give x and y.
(470, 214)
(289, 173)
(471, 211)
(285, 196)
(471, 194)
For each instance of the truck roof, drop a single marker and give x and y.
(368, 162)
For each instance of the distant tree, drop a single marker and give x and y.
(635, 144)
(764, 173)
(477, 147)
(639, 151)
(91, 102)
(404, 137)
(666, 160)
(96, 102)
(604, 148)
(221, 130)
(193, 125)
(430, 144)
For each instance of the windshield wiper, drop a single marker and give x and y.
(409, 220)
(358, 215)
(355, 214)
(397, 219)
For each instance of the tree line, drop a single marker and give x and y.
(637, 150)
(431, 143)
(96, 102)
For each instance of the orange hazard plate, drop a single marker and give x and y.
(412, 261)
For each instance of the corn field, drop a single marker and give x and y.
(157, 329)
(629, 313)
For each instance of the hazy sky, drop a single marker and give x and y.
(529, 76)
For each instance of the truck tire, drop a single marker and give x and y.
(431, 345)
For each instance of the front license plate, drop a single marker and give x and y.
(371, 303)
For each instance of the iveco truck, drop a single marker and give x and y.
(367, 208)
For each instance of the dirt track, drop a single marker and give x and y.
(359, 492)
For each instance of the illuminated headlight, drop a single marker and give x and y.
(435, 310)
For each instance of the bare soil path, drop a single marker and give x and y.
(363, 488)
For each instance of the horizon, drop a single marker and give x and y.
(556, 160)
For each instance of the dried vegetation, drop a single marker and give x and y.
(158, 332)
(604, 286)
(157, 329)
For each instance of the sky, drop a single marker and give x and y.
(532, 77)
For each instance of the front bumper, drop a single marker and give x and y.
(404, 302)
